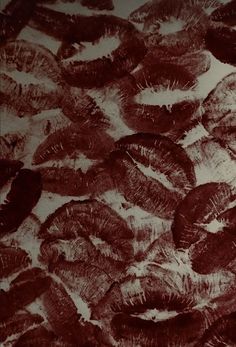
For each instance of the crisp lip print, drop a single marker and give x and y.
(117, 173)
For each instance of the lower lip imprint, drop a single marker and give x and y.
(181, 330)
(65, 320)
(200, 207)
(163, 156)
(18, 324)
(71, 140)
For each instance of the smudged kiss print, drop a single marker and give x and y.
(117, 173)
(30, 78)
(91, 73)
(219, 113)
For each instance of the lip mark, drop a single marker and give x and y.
(23, 290)
(62, 180)
(99, 247)
(61, 255)
(88, 281)
(78, 28)
(98, 4)
(22, 59)
(158, 81)
(139, 295)
(216, 250)
(163, 155)
(145, 192)
(222, 331)
(225, 13)
(64, 319)
(219, 116)
(75, 28)
(74, 138)
(164, 21)
(220, 41)
(79, 107)
(12, 259)
(37, 336)
(182, 329)
(23, 196)
(195, 63)
(18, 324)
(200, 206)
(144, 12)
(90, 218)
(209, 255)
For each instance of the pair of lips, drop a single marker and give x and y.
(95, 234)
(35, 60)
(77, 28)
(86, 139)
(159, 77)
(125, 167)
(159, 290)
(138, 310)
(204, 207)
(220, 115)
(23, 196)
(130, 305)
(195, 63)
(190, 35)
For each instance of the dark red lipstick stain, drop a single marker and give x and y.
(23, 196)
